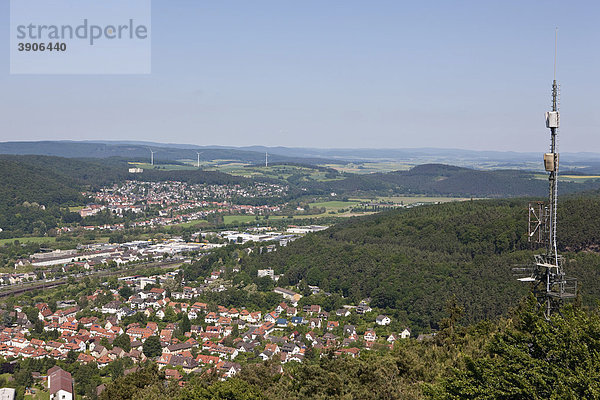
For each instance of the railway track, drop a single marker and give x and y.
(20, 289)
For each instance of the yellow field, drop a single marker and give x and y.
(580, 176)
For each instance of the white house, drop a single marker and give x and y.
(60, 384)
(383, 320)
(266, 272)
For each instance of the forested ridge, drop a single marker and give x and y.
(141, 151)
(449, 180)
(412, 261)
(89, 172)
(22, 182)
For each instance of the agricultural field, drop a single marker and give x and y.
(371, 167)
(407, 200)
(30, 239)
(166, 167)
(336, 205)
(577, 178)
(277, 171)
(242, 219)
(570, 178)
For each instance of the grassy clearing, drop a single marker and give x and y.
(335, 205)
(39, 395)
(32, 239)
(230, 219)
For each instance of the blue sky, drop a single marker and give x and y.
(378, 74)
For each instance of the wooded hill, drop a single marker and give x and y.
(412, 261)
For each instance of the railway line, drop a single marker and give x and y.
(13, 290)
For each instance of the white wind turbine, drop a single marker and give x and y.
(151, 156)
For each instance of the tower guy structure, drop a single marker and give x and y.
(551, 287)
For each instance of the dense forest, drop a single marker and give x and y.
(412, 261)
(25, 182)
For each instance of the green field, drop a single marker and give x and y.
(331, 210)
(32, 239)
(406, 200)
(281, 172)
(242, 219)
(335, 205)
(570, 178)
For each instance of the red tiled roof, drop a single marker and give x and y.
(59, 379)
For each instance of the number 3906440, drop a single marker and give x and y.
(42, 46)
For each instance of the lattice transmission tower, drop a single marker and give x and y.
(550, 286)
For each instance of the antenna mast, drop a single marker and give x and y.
(266, 159)
(550, 285)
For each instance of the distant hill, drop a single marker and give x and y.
(140, 151)
(461, 157)
(448, 180)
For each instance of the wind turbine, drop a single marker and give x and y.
(151, 156)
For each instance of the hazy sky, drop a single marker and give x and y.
(460, 74)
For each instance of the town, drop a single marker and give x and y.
(126, 321)
(172, 202)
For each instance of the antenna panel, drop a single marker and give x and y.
(551, 161)
(552, 119)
